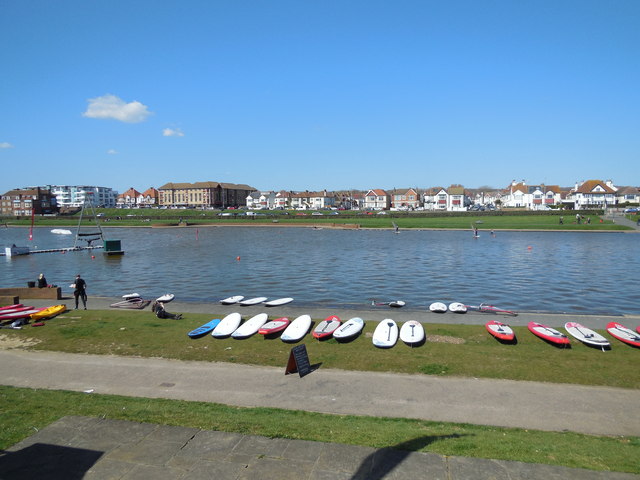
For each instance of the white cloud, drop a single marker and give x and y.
(110, 106)
(5, 145)
(111, 151)
(172, 132)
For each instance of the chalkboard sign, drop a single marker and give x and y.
(298, 361)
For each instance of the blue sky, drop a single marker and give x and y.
(318, 94)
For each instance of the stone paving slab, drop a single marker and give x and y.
(102, 449)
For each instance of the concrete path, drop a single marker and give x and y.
(98, 449)
(534, 405)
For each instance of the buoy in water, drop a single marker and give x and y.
(238, 258)
(529, 247)
(93, 257)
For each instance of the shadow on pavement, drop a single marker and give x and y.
(52, 462)
(377, 465)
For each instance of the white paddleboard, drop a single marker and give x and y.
(296, 329)
(128, 296)
(586, 335)
(166, 298)
(386, 334)
(349, 329)
(457, 307)
(250, 327)
(278, 302)
(438, 307)
(412, 332)
(227, 325)
(231, 300)
(252, 301)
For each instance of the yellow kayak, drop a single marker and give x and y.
(48, 312)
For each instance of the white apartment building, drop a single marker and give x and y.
(75, 195)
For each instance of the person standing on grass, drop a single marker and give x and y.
(80, 292)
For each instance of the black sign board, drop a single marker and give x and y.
(298, 361)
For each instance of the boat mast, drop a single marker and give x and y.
(88, 203)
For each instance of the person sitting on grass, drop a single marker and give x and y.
(158, 309)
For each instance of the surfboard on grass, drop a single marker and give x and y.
(326, 327)
(386, 334)
(297, 329)
(412, 332)
(274, 326)
(250, 327)
(227, 325)
(350, 329)
(203, 330)
(586, 335)
(547, 333)
(624, 334)
(500, 330)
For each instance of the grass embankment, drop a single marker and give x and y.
(462, 350)
(24, 410)
(485, 221)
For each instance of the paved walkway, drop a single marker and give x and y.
(97, 449)
(534, 405)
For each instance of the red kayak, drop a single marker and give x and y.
(275, 326)
(11, 307)
(623, 334)
(548, 333)
(500, 330)
(326, 328)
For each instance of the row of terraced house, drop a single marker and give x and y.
(218, 195)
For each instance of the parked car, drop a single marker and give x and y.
(631, 210)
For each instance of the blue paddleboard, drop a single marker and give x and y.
(204, 329)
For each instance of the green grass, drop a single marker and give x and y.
(476, 353)
(23, 411)
(484, 221)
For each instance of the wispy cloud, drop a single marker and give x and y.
(5, 145)
(113, 107)
(112, 151)
(172, 132)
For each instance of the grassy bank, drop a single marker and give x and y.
(457, 350)
(24, 411)
(484, 221)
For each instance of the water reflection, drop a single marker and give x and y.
(525, 271)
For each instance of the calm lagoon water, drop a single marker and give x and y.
(588, 273)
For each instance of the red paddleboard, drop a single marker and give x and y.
(326, 327)
(623, 334)
(22, 313)
(548, 333)
(275, 326)
(11, 307)
(500, 330)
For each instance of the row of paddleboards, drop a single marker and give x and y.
(245, 302)
(385, 335)
(133, 297)
(584, 334)
(455, 307)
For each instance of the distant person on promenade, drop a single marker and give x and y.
(42, 282)
(80, 291)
